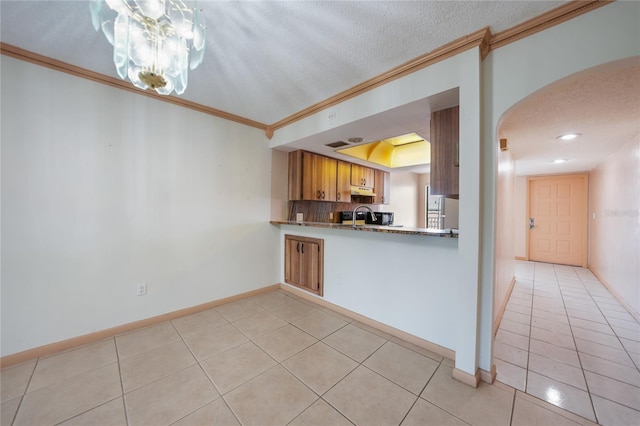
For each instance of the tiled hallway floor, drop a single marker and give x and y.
(272, 359)
(565, 339)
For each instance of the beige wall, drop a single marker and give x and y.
(423, 180)
(505, 239)
(451, 213)
(404, 195)
(614, 222)
(279, 185)
(520, 216)
(99, 195)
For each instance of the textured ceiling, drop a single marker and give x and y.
(603, 104)
(267, 60)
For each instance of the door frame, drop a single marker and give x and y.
(585, 218)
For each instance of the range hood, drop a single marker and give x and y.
(360, 190)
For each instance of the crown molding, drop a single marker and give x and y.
(25, 55)
(483, 39)
(477, 39)
(546, 20)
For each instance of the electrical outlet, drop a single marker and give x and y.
(330, 215)
(141, 289)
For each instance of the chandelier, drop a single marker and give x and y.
(155, 42)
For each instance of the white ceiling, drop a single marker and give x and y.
(602, 104)
(267, 60)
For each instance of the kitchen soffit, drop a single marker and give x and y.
(399, 151)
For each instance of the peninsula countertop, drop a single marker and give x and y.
(393, 229)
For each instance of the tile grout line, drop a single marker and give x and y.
(573, 337)
(319, 397)
(533, 295)
(198, 363)
(420, 393)
(580, 359)
(124, 403)
(624, 348)
(24, 394)
(513, 406)
(557, 285)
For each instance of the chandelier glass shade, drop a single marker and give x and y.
(155, 42)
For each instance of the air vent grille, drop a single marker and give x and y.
(337, 144)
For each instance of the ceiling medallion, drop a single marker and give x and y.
(155, 42)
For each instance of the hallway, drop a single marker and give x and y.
(565, 339)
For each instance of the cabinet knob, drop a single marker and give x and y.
(323, 195)
(338, 196)
(302, 248)
(318, 195)
(298, 248)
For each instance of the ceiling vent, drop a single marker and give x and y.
(338, 144)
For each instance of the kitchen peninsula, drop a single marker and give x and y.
(429, 232)
(389, 275)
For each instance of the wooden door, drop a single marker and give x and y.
(558, 219)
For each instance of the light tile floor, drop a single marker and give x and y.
(273, 359)
(565, 339)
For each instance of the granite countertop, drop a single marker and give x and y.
(429, 232)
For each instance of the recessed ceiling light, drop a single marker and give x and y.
(356, 140)
(560, 161)
(568, 136)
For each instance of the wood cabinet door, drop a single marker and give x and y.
(329, 169)
(383, 182)
(311, 172)
(343, 182)
(362, 176)
(304, 263)
(318, 177)
(310, 277)
(444, 152)
(293, 262)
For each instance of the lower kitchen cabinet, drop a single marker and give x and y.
(304, 263)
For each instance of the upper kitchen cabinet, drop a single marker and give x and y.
(383, 183)
(312, 177)
(444, 152)
(344, 182)
(362, 176)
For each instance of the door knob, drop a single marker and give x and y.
(532, 223)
